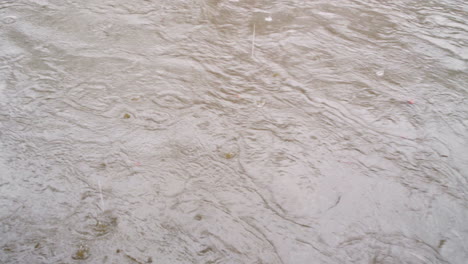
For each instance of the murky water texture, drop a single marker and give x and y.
(222, 131)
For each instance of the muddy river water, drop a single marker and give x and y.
(234, 131)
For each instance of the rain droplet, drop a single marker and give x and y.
(9, 20)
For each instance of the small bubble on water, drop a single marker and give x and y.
(260, 103)
(9, 20)
(380, 73)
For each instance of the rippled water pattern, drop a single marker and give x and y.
(234, 131)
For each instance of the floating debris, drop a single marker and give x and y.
(104, 225)
(81, 254)
(441, 243)
(204, 251)
(229, 155)
(7, 249)
(268, 19)
(380, 73)
(198, 217)
(133, 259)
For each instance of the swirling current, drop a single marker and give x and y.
(234, 131)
